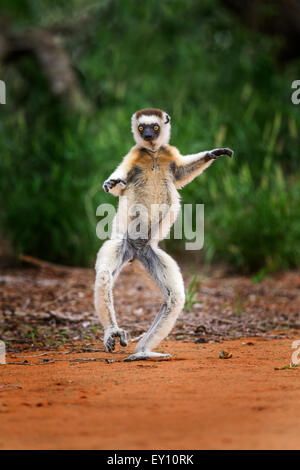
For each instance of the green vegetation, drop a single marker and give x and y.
(222, 87)
(191, 294)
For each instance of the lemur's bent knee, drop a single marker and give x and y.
(103, 277)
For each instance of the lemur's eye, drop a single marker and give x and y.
(156, 128)
(141, 128)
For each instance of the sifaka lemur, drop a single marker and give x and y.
(148, 177)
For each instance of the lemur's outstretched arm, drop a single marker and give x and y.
(117, 180)
(190, 166)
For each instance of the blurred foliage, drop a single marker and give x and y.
(222, 87)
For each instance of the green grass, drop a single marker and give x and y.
(222, 87)
(191, 294)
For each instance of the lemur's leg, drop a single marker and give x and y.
(166, 273)
(110, 259)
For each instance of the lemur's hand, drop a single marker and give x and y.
(109, 338)
(112, 183)
(215, 153)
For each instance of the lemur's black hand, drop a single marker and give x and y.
(110, 335)
(109, 184)
(215, 153)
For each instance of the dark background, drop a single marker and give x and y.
(76, 70)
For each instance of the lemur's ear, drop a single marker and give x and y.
(167, 117)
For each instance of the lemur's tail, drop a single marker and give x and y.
(134, 340)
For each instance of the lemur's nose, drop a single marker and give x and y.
(148, 136)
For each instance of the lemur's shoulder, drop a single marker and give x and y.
(168, 155)
(172, 150)
(171, 154)
(132, 158)
(139, 156)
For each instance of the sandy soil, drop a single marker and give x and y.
(193, 401)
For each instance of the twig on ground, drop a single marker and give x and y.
(26, 363)
(43, 264)
(3, 387)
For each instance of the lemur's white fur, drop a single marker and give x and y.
(149, 174)
(165, 130)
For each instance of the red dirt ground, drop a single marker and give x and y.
(194, 401)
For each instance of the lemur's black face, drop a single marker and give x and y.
(149, 132)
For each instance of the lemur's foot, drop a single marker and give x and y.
(110, 335)
(143, 355)
(109, 184)
(219, 152)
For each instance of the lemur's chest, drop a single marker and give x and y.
(150, 169)
(151, 179)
